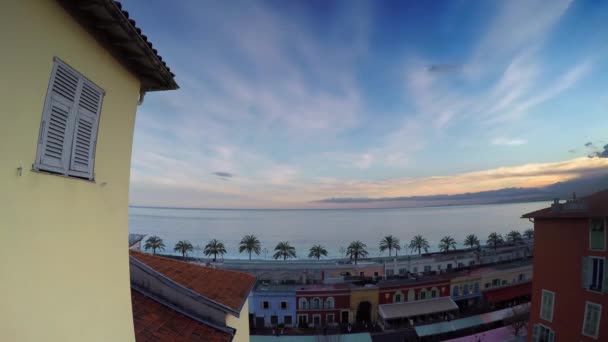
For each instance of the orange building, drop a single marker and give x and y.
(570, 285)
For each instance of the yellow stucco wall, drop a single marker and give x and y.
(64, 274)
(241, 324)
(510, 276)
(367, 295)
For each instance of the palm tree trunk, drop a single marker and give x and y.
(284, 257)
(214, 256)
(249, 255)
(184, 255)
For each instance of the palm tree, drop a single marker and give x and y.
(529, 233)
(419, 243)
(285, 250)
(494, 239)
(390, 242)
(183, 247)
(356, 250)
(154, 243)
(250, 243)
(471, 240)
(317, 251)
(447, 243)
(514, 236)
(214, 247)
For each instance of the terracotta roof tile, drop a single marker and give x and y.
(229, 288)
(594, 205)
(155, 322)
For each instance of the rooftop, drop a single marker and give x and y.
(154, 321)
(135, 238)
(229, 288)
(416, 308)
(594, 205)
(113, 28)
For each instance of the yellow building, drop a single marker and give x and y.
(72, 75)
(364, 304)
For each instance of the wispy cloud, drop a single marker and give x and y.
(508, 142)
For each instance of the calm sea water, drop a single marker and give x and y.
(332, 228)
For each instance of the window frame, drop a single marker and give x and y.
(290, 320)
(283, 307)
(545, 327)
(38, 165)
(265, 305)
(604, 219)
(590, 273)
(598, 325)
(552, 293)
(333, 318)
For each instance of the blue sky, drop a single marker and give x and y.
(287, 102)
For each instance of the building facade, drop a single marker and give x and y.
(570, 286)
(69, 94)
(326, 305)
(272, 306)
(399, 291)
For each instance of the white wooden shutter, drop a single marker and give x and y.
(536, 333)
(85, 133)
(57, 121)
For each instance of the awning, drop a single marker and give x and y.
(507, 293)
(468, 322)
(421, 307)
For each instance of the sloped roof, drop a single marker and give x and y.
(135, 238)
(154, 321)
(594, 205)
(118, 32)
(229, 288)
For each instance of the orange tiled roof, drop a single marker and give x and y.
(155, 322)
(229, 288)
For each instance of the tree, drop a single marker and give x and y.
(518, 320)
(317, 251)
(154, 243)
(250, 243)
(529, 233)
(183, 247)
(284, 250)
(419, 243)
(390, 242)
(356, 250)
(215, 248)
(471, 240)
(514, 237)
(494, 240)
(447, 243)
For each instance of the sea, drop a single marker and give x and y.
(332, 228)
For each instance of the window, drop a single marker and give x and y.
(362, 274)
(597, 233)
(402, 270)
(415, 269)
(521, 277)
(449, 266)
(68, 132)
(542, 334)
(274, 320)
(487, 285)
(460, 265)
(427, 268)
(390, 272)
(316, 303)
(375, 274)
(591, 325)
(465, 289)
(422, 294)
(411, 296)
(316, 320)
(476, 287)
(495, 282)
(330, 303)
(329, 319)
(504, 282)
(303, 304)
(398, 297)
(283, 305)
(455, 291)
(438, 267)
(433, 293)
(265, 305)
(287, 320)
(546, 305)
(594, 274)
(471, 263)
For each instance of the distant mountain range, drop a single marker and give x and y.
(582, 186)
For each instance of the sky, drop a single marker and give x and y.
(283, 103)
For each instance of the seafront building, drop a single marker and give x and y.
(73, 73)
(570, 286)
